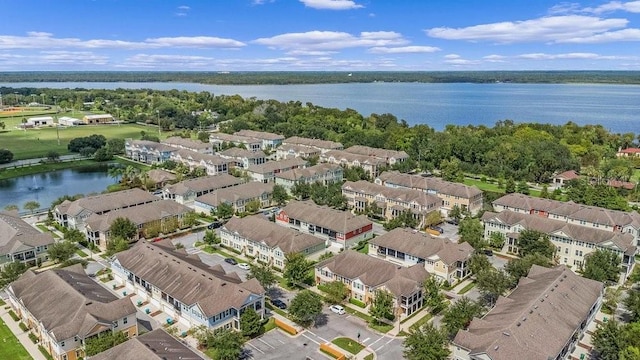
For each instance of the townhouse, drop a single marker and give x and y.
(160, 178)
(185, 192)
(365, 275)
(589, 216)
(390, 157)
(21, 242)
(269, 140)
(242, 158)
(223, 141)
(267, 172)
(213, 164)
(543, 318)
(163, 216)
(339, 228)
(369, 164)
(73, 214)
(148, 152)
(184, 288)
(466, 198)
(447, 260)
(324, 174)
(322, 145)
(237, 196)
(293, 151)
(74, 310)
(573, 242)
(390, 202)
(189, 144)
(267, 242)
(154, 345)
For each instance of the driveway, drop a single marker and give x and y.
(277, 345)
(450, 231)
(217, 259)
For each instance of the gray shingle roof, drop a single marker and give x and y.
(320, 169)
(235, 152)
(376, 152)
(336, 220)
(107, 202)
(232, 194)
(16, 234)
(273, 166)
(340, 155)
(139, 215)
(199, 157)
(262, 135)
(154, 345)
(317, 143)
(536, 320)
(205, 183)
(186, 143)
(404, 195)
(429, 183)
(159, 176)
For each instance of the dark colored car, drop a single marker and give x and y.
(438, 229)
(452, 221)
(279, 304)
(488, 252)
(214, 225)
(231, 261)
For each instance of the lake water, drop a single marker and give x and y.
(616, 107)
(85, 180)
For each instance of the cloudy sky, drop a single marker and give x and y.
(350, 35)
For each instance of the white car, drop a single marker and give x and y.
(244, 266)
(337, 309)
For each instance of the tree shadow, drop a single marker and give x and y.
(246, 354)
(275, 293)
(321, 320)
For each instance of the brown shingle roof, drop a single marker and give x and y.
(235, 152)
(262, 135)
(107, 202)
(199, 157)
(317, 143)
(154, 345)
(536, 320)
(376, 152)
(205, 183)
(139, 215)
(232, 194)
(258, 229)
(74, 304)
(17, 235)
(159, 176)
(272, 166)
(320, 169)
(404, 195)
(336, 220)
(432, 184)
(186, 143)
(340, 155)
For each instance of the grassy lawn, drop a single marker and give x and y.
(466, 289)
(41, 168)
(381, 327)
(636, 176)
(421, 322)
(369, 357)
(483, 185)
(11, 347)
(365, 249)
(211, 353)
(350, 345)
(81, 253)
(2, 303)
(269, 325)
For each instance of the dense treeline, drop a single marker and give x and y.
(321, 77)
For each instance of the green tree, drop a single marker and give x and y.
(104, 341)
(336, 292)
(190, 219)
(116, 245)
(305, 307)
(264, 274)
(492, 283)
(5, 156)
(228, 344)
(544, 193)
(522, 187)
(459, 315)
(11, 207)
(123, 228)
(497, 240)
(518, 268)
(115, 146)
(253, 206)
(608, 340)
(11, 272)
(450, 170)
(478, 263)
(602, 265)
(280, 195)
(301, 191)
(533, 241)
(296, 268)
(433, 218)
(75, 236)
(355, 173)
(382, 306)
(426, 343)
(405, 219)
(203, 136)
(510, 186)
(250, 323)
(455, 213)
(433, 297)
(632, 303)
(53, 156)
(31, 206)
(102, 154)
(62, 251)
(471, 231)
(210, 238)
(223, 211)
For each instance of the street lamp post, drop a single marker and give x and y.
(159, 127)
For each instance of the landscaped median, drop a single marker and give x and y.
(286, 327)
(334, 353)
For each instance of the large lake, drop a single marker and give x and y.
(52, 185)
(616, 107)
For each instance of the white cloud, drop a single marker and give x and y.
(195, 41)
(403, 50)
(309, 52)
(629, 6)
(72, 57)
(461, 62)
(609, 36)
(332, 40)
(331, 4)
(570, 56)
(494, 58)
(548, 29)
(452, 56)
(184, 8)
(564, 8)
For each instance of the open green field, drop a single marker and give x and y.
(11, 347)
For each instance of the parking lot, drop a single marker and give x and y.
(450, 231)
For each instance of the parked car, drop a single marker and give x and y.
(437, 228)
(244, 266)
(279, 304)
(231, 261)
(214, 225)
(337, 309)
(488, 252)
(452, 221)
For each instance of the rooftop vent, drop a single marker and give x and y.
(506, 334)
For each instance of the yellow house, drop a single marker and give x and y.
(98, 119)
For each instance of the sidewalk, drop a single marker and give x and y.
(23, 336)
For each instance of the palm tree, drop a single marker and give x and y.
(115, 172)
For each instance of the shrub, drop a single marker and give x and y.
(14, 316)
(34, 339)
(23, 326)
(357, 302)
(44, 352)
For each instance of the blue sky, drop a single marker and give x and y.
(343, 35)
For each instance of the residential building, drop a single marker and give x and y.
(573, 242)
(213, 164)
(98, 119)
(365, 275)
(186, 289)
(324, 174)
(68, 121)
(563, 178)
(160, 178)
(390, 202)
(222, 141)
(452, 194)
(447, 260)
(64, 308)
(73, 214)
(259, 238)
(21, 242)
(293, 151)
(390, 157)
(322, 145)
(243, 158)
(628, 152)
(337, 227)
(189, 144)
(154, 345)
(160, 216)
(148, 152)
(267, 172)
(543, 318)
(237, 196)
(590, 216)
(269, 140)
(369, 164)
(185, 192)
(39, 121)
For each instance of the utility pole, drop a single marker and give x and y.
(57, 130)
(159, 127)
